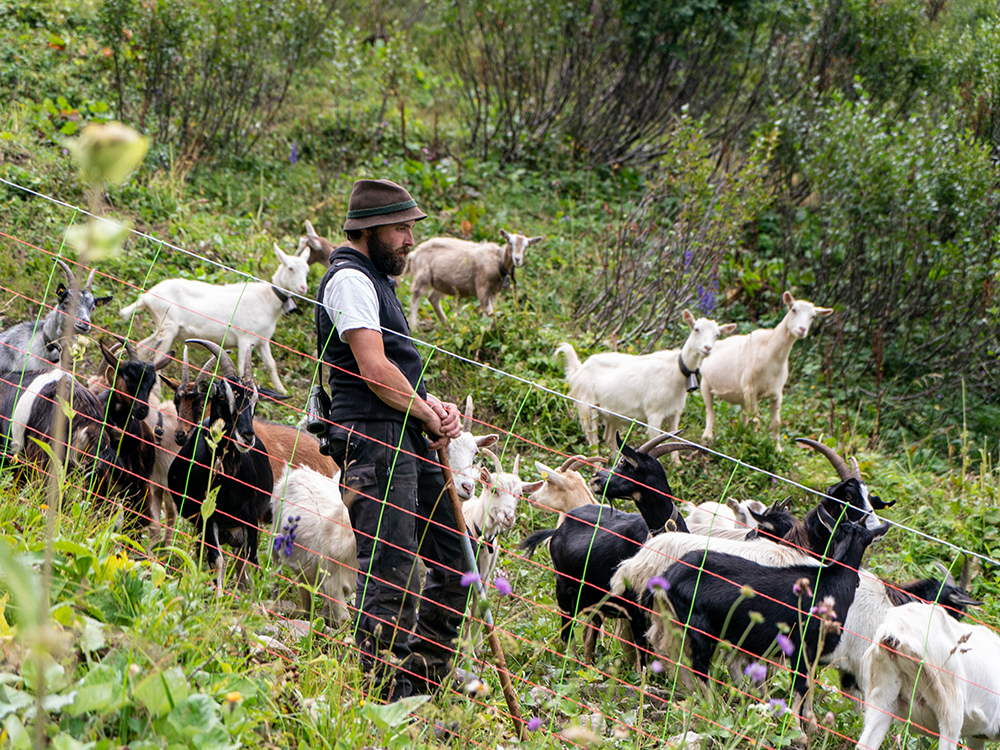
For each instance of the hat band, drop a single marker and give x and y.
(363, 213)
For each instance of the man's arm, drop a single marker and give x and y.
(391, 386)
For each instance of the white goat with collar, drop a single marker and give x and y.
(242, 315)
(649, 388)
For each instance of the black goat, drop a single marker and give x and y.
(705, 594)
(242, 476)
(594, 539)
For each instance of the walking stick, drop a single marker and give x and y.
(470, 558)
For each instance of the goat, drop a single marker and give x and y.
(242, 476)
(705, 596)
(940, 676)
(446, 266)
(126, 404)
(462, 452)
(37, 345)
(243, 315)
(594, 539)
(745, 369)
(648, 388)
(285, 444)
(313, 536)
(734, 520)
(563, 489)
(319, 247)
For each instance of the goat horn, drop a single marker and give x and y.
(247, 364)
(467, 421)
(185, 371)
(650, 444)
(672, 447)
(948, 577)
(570, 462)
(67, 271)
(155, 348)
(493, 457)
(578, 462)
(783, 505)
(90, 280)
(856, 470)
(225, 362)
(517, 461)
(206, 372)
(839, 464)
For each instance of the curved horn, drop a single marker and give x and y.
(672, 447)
(225, 363)
(578, 462)
(650, 444)
(948, 577)
(90, 280)
(467, 421)
(783, 505)
(185, 371)
(153, 350)
(67, 271)
(248, 365)
(493, 457)
(207, 371)
(839, 464)
(856, 470)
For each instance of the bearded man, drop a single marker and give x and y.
(380, 414)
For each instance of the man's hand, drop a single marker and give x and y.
(447, 424)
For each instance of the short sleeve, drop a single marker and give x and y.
(351, 302)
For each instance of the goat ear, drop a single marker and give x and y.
(484, 476)
(280, 253)
(505, 235)
(823, 311)
(263, 390)
(788, 299)
(528, 487)
(108, 355)
(102, 301)
(61, 291)
(304, 250)
(169, 382)
(878, 504)
(536, 240)
(727, 329)
(688, 318)
(486, 441)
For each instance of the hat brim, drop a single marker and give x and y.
(396, 217)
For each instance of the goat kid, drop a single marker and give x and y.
(219, 454)
(446, 266)
(313, 536)
(745, 369)
(462, 452)
(37, 344)
(620, 388)
(243, 315)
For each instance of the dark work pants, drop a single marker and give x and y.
(399, 509)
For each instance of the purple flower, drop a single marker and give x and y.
(755, 671)
(777, 706)
(534, 724)
(294, 156)
(656, 665)
(658, 582)
(785, 644)
(285, 542)
(470, 578)
(503, 586)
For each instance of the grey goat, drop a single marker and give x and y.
(35, 344)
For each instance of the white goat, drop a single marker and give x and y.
(447, 266)
(462, 452)
(939, 675)
(745, 369)
(240, 315)
(647, 388)
(732, 520)
(323, 552)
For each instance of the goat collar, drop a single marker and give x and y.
(506, 276)
(691, 375)
(287, 303)
(670, 525)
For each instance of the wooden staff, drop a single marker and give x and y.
(470, 558)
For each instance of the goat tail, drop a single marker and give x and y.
(531, 543)
(572, 360)
(129, 311)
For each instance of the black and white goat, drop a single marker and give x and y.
(242, 475)
(37, 344)
(705, 594)
(594, 539)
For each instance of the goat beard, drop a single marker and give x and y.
(383, 257)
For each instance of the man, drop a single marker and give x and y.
(391, 482)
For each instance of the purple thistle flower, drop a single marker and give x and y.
(688, 254)
(777, 706)
(785, 644)
(755, 671)
(503, 586)
(658, 582)
(294, 156)
(534, 724)
(656, 665)
(470, 578)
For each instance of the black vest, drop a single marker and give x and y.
(351, 398)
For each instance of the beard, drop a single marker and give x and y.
(383, 257)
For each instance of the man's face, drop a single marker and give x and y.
(388, 246)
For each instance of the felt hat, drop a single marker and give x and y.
(377, 202)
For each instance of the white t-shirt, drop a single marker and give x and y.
(351, 302)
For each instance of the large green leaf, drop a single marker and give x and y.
(162, 691)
